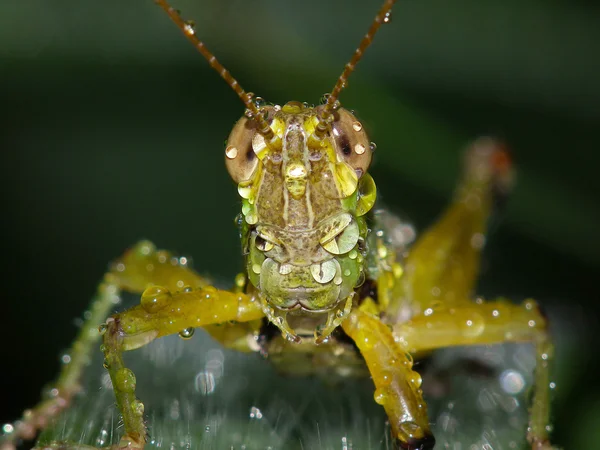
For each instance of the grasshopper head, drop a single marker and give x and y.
(304, 198)
(301, 173)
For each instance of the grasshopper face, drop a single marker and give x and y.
(304, 199)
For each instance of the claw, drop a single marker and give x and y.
(425, 443)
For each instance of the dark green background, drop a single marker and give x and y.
(113, 130)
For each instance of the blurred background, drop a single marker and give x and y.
(113, 131)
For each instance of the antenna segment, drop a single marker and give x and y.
(187, 28)
(382, 17)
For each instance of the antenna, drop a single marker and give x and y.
(382, 17)
(187, 27)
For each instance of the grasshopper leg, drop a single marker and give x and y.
(137, 268)
(161, 313)
(397, 386)
(443, 264)
(486, 323)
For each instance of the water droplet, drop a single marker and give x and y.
(186, 333)
(155, 298)
(529, 305)
(125, 380)
(188, 28)
(357, 126)
(296, 339)
(410, 429)
(373, 146)
(105, 364)
(255, 413)
(360, 149)
(144, 248)
(512, 381)
(325, 272)
(251, 218)
(473, 325)
(65, 359)
(416, 379)
(380, 396)
(314, 156)
(102, 329)
(231, 152)
(8, 428)
(102, 437)
(388, 17)
(137, 407)
(163, 256)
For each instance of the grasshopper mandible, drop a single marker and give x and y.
(316, 278)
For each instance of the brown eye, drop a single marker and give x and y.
(240, 159)
(352, 143)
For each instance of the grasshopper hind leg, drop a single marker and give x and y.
(429, 301)
(441, 268)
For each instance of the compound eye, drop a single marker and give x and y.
(240, 159)
(351, 141)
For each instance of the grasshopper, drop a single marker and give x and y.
(323, 277)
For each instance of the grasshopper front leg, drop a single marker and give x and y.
(397, 386)
(139, 267)
(162, 313)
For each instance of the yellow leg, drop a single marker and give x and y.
(397, 386)
(162, 313)
(241, 336)
(138, 268)
(483, 324)
(443, 264)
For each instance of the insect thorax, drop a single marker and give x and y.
(304, 200)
